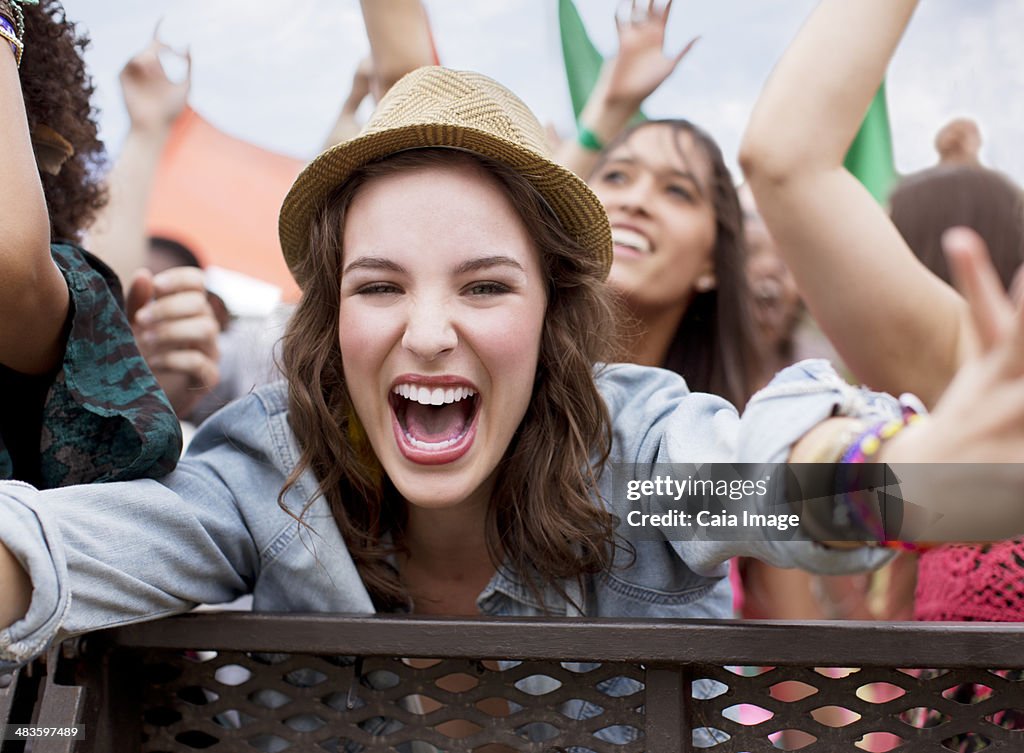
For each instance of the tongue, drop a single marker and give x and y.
(437, 423)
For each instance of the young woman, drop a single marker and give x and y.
(442, 443)
(679, 264)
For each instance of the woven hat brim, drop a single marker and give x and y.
(577, 208)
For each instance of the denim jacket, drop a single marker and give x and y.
(105, 555)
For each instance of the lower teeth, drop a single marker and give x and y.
(421, 445)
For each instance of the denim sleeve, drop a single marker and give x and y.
(103, 555)
(657, 420)
(797, 399)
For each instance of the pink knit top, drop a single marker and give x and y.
(960, 582)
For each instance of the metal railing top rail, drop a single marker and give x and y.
(733, 642)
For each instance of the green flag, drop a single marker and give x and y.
(582, 60)
(870, 157)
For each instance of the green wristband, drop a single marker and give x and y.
(588, 139)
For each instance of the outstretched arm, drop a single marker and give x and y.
(626, 80)
(33, 294)
(897, 326)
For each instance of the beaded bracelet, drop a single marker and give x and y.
(861, 505)
(7, 32)
(588, 139)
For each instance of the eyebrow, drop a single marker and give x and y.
(472, 265)
(486, 262)
(373, 262)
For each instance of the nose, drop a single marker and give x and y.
(430, 331)
(632, 196)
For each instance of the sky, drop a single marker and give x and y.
(275, 73)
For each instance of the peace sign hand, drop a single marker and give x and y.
(979, 420)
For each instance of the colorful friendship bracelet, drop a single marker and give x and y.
(866, 446)
(861, 504)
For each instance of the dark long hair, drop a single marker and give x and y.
(543, 519)
(715, 346)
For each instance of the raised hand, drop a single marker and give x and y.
(641, 64)
(152, 99)
(979, 420)
(176, 331)
(639, 68)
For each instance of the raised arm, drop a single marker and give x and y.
(33, 294)
(153, 102)
(399, 40)
(639, 67)
(347, 126)
(897, 326)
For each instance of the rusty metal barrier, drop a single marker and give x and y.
(251, 682)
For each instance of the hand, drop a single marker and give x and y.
(362, 84)
(641, 64)
(152, 99)
(176, 331)
(980, 419)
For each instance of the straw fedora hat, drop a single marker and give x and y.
(440, 107)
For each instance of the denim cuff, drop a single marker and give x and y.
(37, 546)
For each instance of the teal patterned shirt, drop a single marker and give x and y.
(104, 417)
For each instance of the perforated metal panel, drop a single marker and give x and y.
(875, 709)
(239, 701)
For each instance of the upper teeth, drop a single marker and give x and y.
(432, 395)
(624, 237)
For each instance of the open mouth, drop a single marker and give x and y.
(631, 242)
(434, 423)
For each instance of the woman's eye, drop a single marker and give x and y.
(680, 191)
(487, 288)
(378, 288)
(613, 176)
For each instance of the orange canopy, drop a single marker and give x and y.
(220, 196)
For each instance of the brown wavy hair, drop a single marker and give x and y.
(57, 90)
(715, 345)
(543, 519)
